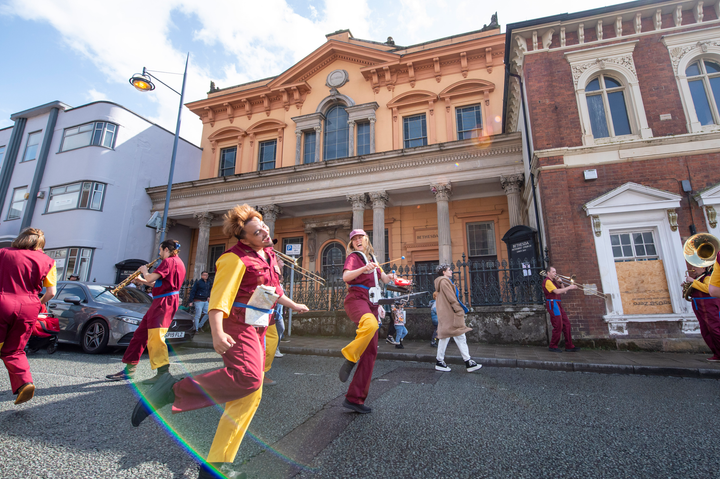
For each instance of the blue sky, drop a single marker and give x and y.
(78, 51)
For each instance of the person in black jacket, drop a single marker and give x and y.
(199, 295)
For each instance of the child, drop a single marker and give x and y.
(400, 329)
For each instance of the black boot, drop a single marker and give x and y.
(345, 370)
(161, 394)
(125, 374)
(160, 371)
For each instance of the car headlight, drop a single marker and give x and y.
(130, 320)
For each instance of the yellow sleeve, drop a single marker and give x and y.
(702, 286)
(715, 279)
(229, 273)
(549, 286)
(51, 278)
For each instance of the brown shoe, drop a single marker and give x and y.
(25, 393)
(268, 382)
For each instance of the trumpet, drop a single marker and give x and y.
(127, 280)
(292, 263)
(570, 280)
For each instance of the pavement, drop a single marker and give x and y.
(515, 356)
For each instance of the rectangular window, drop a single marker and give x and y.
(469, 121)
(85, 195)
(227, 161)
(481, 239)
(213, 255)
(286, 269)
(98, 133)
(32, 146)
(71, 261)
(634, 246)
(18, 201)
(309, 147)
(363, 139)
(2, 155)
(267, 155)
(387, 249)
(415, 131)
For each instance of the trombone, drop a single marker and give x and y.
(568, 280)
(292, 263)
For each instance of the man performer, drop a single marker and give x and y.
(199, 295)
(707, 308)
(251, 262)
(166, 280)
(24, 271)
(558, 317)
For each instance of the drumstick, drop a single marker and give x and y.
(386, 262)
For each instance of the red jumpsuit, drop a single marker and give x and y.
(707, 311)
(23, 273)
(363, 313)
(558, 317)
(157, 320)
(239, 384)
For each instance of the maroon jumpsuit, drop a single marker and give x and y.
(22, 272)
(558, 318)
(707, 311)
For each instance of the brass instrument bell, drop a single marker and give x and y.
(701, 250)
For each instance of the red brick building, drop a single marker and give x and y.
(623, 109)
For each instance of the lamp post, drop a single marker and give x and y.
(142, 82)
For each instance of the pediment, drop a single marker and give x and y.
(709, 196)
(227, 132)
(329, 52)
(412, 97)
(266, 125)
(464, 87)
(632, 197)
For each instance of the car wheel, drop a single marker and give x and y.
(95, 337)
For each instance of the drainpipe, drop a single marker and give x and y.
(39, 169)
(530, 151)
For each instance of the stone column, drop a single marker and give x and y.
(298, 147)
(442, 198)
(156, 246)
(318, 137)
(379, 201)
(203, 242)
(512, 185)
(351, 137)
(359, 203)
(270, 214)
(372, 134)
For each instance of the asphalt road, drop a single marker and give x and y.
(498, 422)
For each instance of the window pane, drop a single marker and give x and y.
(267, 155)
(639, 250)
(618, 111)
(336, 133)
(481, 239)
(469, 122)
(638, 238)
(86, 127)
(85, 195)
(17, 204)
(711, 67)
(597, 116)
(415, 131)
(614, 240)
(651, 251)
(309, 147)
(363, 138)
(611, 83)
(97, 196)
(77, 137)
(66, 198)
(227, 161)
(647, 238)
(715, 87)
(625, 239)
(627, 250)
(109, 135)
(97, 136)
(31, 148)
(2, 154)
(693, 70)
(593, 85)
(617, 251)
(700, 100)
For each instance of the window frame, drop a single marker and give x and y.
(458, 131)
(220, 161)
(341, 152)
(13, 201)
(424, 138)
(704, 78)
(3, 149)
(260, 154)
(62, 273)
(93, 133)
(368, 146)
(91, 196)
(309, 153)
(492, 235)
(604, 92)
(633, 245)
(37, 134)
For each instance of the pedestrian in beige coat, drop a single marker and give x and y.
(451, 321)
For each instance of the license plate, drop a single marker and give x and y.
(175, 335)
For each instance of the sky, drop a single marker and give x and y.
(78, 52)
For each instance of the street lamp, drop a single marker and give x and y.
(143, 82)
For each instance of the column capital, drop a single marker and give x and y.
(379, 199)
(359, 201)
(270, 212)
(318, 129)
(204, 219)
(442, 191)
(512, 183)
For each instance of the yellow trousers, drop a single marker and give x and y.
(271, 344)
(157, 348)
(233, 425)
(364, 334)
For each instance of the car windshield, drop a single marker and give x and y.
(128, 295)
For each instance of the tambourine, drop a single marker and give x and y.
(402, 282)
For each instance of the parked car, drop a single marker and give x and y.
(91, 316)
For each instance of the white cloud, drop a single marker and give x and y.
(94, 95)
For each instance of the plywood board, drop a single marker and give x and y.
(643, 287)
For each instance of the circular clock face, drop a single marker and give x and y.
(337, 78)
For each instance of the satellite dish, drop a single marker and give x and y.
(155, 221)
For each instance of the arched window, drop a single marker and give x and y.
(333, 259)
(336, 133)
(607, 107)
(703, 77)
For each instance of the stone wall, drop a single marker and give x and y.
(495, 325)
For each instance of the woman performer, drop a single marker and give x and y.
(558, 316)
(251, 262)
(24, 270)
(361, 272)
(707, 311)
(167, 279)
(451, 321)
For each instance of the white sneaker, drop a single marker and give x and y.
(278, 354)
(441, 366)
(472, 365)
